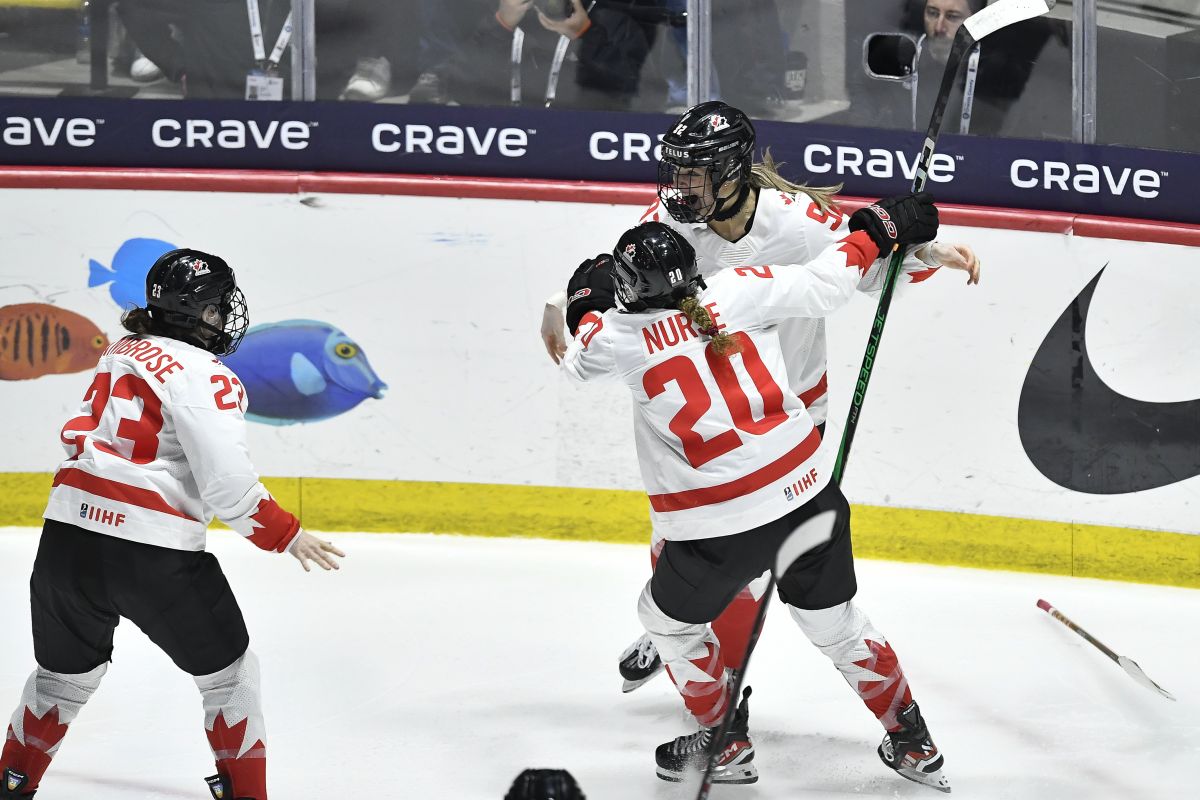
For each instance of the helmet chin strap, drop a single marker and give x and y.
(727, 208)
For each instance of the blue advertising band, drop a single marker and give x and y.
(578, 145)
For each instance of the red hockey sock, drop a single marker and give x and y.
(888, 693)
(41, 738)
(706, 699)
(734, 626)
(245, 767)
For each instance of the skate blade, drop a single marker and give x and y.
(738, 774)
(628, 686)
(934, 780)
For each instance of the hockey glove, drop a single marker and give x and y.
(591, 288)
(903, 220)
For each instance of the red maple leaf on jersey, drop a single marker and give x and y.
(858, 248)
(787, 199)
(274, 527)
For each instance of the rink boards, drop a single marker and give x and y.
(480, 433)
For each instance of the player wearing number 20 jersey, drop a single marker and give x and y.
(158, 449)
(733, 466)
(724, 444)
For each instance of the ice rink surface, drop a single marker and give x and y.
(438, 667)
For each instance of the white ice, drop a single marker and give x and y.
(438, 667)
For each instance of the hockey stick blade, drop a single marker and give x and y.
(1134, 671)
(1004, 13)
(1128, 664)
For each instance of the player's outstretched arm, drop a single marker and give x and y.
(306, 547)
(957, 256)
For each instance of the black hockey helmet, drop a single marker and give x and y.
(654, 267)
(195, 294)
(710, 145)
(545, 784)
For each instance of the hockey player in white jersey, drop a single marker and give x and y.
(735, 212)
(732, 463)
(158, 450)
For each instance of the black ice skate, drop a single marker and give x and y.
(639, 663)
(911, 752)
(221, 788)
(688, 754)
(11, 785)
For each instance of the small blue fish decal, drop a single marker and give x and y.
(128, 273)
(302, 370)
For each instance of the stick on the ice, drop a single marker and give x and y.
(999, 14)
(991, 19)
(1128, 664)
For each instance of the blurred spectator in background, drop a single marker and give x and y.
(391, 48)
(203, 43)
(749, 50)
(555, 52)
(1023, 79)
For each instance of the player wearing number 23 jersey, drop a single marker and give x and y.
(157, 449)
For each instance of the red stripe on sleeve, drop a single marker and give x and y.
(274, 527)
(816, 392)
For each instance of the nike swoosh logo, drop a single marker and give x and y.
(1086, 437)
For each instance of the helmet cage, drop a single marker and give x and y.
(709, 147)
(181, 300)
(654, 267)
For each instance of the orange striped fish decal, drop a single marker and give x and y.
(37, 339)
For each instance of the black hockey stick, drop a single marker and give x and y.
(992, 18)
(1125, 662)
(998, 15)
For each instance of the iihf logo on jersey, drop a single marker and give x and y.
(806, 482)
(718, 123)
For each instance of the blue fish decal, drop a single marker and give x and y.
(302, 370)
(128, 272)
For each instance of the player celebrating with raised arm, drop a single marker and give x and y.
(732, 462)
(735, 213)
(158, 451)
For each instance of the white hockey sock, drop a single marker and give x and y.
(693, 659)
(47, 692)
(233, 696)
(49, 703)
(861, 654)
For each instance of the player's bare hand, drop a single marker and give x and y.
(307, 547)
(511, 12)
(553, 336)
(571, 26)
(958, 256)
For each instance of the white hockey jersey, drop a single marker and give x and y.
(159, 448)
(724, 444)
(788, 229)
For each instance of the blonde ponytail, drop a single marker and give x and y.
(722, 343)
(765, 175)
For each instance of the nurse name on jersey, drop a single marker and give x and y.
(154, 359)
(675, 329)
